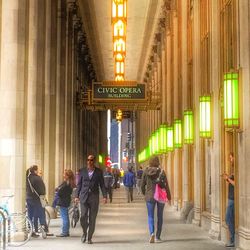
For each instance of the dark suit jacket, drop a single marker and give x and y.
(86, 186)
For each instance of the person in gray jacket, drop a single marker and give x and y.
(108, 182)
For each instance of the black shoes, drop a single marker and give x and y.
(83, 238)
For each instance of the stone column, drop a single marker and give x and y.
(196, 94)
(68, 85)
(35, 81)
(216, 144)
(244, 137)
(169, 104)
(60, 90)
(50, 97)
(185, 157)
(12, 98)
(175, 107)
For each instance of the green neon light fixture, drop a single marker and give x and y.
(153, 143)
(231, 100)
(150, 145)
(188, 127)
(170, 138)
(163, 138)
(157, 141)
(205, 116)
(177, 133)
(100, 159)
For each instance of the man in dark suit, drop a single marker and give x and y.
(90, 179)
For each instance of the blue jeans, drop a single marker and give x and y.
(35, 212)
(64, 211)
(151, 209)
(230, 219)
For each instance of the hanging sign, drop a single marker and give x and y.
(118, 92)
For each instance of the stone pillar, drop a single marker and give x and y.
(244, 137)
(35, 81)
(69, 85)
(185, 158)
(12, 97)
(216, 144)
(60, 90)
(50, 97)
(196, 94)
(175, 106)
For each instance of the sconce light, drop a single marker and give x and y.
(170, 138)
(231, 100)
(205, 116)
(163, 138)
(188, 127)
(177, 133)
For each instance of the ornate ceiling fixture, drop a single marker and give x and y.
(119, 24)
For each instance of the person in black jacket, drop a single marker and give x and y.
(64, 192)
(90, 179)
(35, 187)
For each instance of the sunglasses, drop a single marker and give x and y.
(90, 159)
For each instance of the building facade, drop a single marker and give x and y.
(195, 44)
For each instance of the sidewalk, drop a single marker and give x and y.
(123, 225)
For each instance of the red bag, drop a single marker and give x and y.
(160, 194)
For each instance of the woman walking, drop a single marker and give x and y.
(154, 175)
(64, 192)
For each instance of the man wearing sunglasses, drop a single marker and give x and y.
(90, 179)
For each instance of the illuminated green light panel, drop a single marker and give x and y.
(188, 127)
(177, 133)
(205, 116)
(231, 99)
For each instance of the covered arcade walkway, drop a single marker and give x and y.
(122, 225)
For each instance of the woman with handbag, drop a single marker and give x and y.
(64, 192)
(156, 190)
(35, 188)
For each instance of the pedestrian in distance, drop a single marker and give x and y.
(152, 176)
(129, 183)
(230, 213)
(87, 192)
(108, 182)
(139, 180)
(64, 192)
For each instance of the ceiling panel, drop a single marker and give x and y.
(142, 20)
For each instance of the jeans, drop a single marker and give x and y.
(151, 208)
(109, 192)
(64, 211)
(35, 212)
(230, 219)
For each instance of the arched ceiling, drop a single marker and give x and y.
(143, 17)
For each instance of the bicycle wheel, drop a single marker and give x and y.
(19, 229)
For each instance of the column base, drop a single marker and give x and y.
(243, 239)
(215, 231)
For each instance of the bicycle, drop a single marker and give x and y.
(19, 227)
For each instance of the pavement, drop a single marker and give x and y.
(123, 226)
